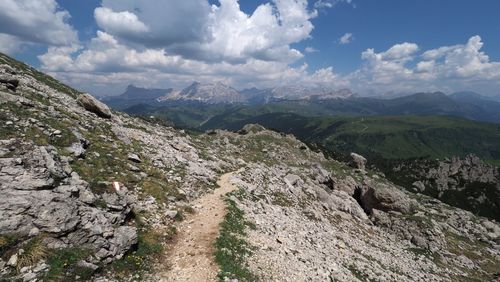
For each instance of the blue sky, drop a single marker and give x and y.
(389, 46)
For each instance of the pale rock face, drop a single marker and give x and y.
(38, 196)
(210, 93)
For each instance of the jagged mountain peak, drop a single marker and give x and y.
(211, 93)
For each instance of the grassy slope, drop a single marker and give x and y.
(44, 78)
(387, 137)
(194, 115)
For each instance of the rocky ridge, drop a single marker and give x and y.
(96, 197)
(468, 182)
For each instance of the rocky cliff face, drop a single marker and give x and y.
(93, 196)
(466, 183)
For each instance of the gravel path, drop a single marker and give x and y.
(192, 257)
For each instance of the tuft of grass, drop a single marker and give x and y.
(231, 247)
(280, 199)
(63, 265)
(7, 242)
(34, 251)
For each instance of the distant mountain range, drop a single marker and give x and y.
(136, 95)
(207, 100)
(220, 93)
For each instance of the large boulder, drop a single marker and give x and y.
(377, 195)
(358, 161)
(251, 128)
(91, 104)
(9, 82)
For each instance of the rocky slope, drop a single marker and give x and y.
(317, 219)
(92, 194)
(83, 187)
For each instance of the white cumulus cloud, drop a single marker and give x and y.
(35, 21)
(448, 68)
(167, 43)
(120, 23)
(174, 41)
(197, 30)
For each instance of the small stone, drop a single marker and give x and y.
(34, 231)
(24, 269)
(12, 261)
(171, 214)
(9, 122)
(40, 267)
(133, 168)
(30, 276)
(419, 241)
(85, 264)
(134, 157)
(57, 132)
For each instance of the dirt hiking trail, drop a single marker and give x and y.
(191, 257)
